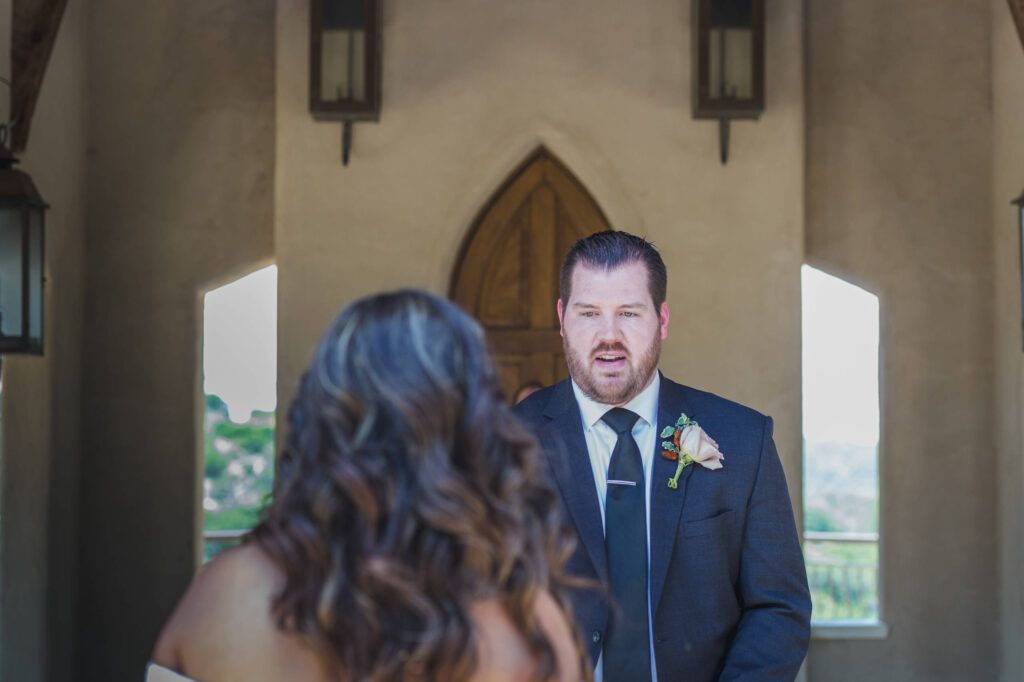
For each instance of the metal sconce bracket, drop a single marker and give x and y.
(1019, 203)
(346, 141)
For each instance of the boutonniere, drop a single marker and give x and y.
(689, 444)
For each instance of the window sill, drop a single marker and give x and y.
(849, 629)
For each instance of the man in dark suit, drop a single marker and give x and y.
(702, 565)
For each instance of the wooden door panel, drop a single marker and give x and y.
(502, 299)
(489, 228)
(561, 370)
(543, 270)
(507, 271)
(515, 370)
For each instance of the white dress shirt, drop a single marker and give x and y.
(600, 442)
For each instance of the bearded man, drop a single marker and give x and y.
(677, 496)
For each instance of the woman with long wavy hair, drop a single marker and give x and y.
(410, 536)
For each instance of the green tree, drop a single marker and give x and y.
(216, 463)
(816, 520)
(215, 404)
(237, 518)
(252, 439)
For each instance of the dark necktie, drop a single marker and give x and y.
(627, 653)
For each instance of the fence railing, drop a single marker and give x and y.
(842, 573)
(831, 536)
(216, 541)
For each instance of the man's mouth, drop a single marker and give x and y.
(610, 361)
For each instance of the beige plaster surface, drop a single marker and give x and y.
(899, 127)
(39, 457)
(1007, 184)
(181, 135)
(470, 88)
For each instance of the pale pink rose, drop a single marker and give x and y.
(699, 445)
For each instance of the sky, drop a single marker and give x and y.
(240, 344)
(840, 360)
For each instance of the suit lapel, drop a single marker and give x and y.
(666, 503)
(570, 462)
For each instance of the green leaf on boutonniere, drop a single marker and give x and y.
(668, 432)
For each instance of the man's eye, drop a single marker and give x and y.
(588, 313)
(627, 313)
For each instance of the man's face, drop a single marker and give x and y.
(612, 332)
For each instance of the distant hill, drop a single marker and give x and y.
(841, 487)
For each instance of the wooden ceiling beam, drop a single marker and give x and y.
(33, 33)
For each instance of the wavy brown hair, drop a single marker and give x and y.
(406, 491)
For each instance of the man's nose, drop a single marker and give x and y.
(611, 329)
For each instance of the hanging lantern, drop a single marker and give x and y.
(21, 260)
(728, 62)
(345, 63)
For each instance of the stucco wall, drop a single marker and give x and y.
(41, 395)
(1008, 183)
(181, 134)
(470, 89)
(899, 132)
(164, 118)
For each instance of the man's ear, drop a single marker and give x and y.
(663, 318)
(561, 311)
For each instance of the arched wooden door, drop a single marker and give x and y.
(507, 272)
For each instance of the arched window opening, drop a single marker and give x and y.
(240, 386)
(840, 439)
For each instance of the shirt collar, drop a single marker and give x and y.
(645, 404)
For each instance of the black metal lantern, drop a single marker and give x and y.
(21, 260)
(1019, 201)
(728, 62)
(345, 63)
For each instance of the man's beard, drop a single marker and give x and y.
(634, 379)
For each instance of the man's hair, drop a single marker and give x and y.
(610, 249)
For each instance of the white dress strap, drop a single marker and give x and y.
(158, 673)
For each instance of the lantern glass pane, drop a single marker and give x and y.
(731, 59)
(35, 276)
(343, 51)
(11, 275)
(731, 49)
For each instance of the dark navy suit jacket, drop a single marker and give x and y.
(728, 586)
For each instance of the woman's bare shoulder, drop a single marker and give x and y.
(224, 620)
(237, 579)
(503, 656)
(223, 629)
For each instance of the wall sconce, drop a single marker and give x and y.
(728, 62)
(1019, 201)
(1017, 10)
(345, 63)
(21, 258)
